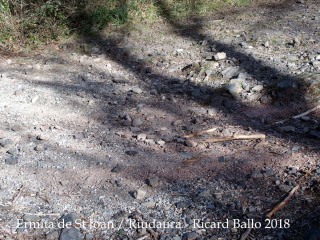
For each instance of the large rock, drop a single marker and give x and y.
(230, 72)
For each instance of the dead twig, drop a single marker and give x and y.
(283, 203)
(17, 195)
(299, 115)
(196, 134)
(307, 112)
(236, 137)
(246, 234)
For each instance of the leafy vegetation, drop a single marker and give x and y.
(34, 22)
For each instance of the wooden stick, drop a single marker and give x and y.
(283, 203)
(246, 234)
(200, 133)
(236, 137)
(301, 180)
(306, 113)
(298, 116)
(17, 195)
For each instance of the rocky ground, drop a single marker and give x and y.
(93, 133)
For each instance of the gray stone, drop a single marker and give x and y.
(135, 129)
(149, 142)
(43, 137)
(209, 57)
(177, 123)
(183, 204)
(11, 160)
(132, 152)
(293, 170)
(70, 234)
(220, 56)
(295, 148)
(136, 90)
(243, 75)
(31, 218)
(237, 80)
(285, 188)
(18, 92)
(89, 236)
(234, 88)
(257, 88)
(142, 136)
(117, 169)
(39, 148)
(154, 92)
(287, 129)
(205, 194)
(176, 238)
(190, 236)
(256, 174)
(161, 143)
(53, 235)
(2, 134)
(13, 151)
(69, 218)
(269, 172)
(17, 128)
(7, 143)
(191, 143)
(150, 204)
(252, 209)
(153, 181)
(139, 194)
(137, 122)
(78, 136)
(35, 99)
(217, 195)
(230, 72)
(316, 64)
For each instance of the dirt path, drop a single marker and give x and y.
(99, 137)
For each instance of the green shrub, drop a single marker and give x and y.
(30, 22)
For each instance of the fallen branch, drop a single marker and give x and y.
(196, 134)
(307, 112)
(236, 137)
(283, 203)
(246, 234)
(299, 115)
(301, 180)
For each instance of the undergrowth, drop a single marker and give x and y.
(35, 22)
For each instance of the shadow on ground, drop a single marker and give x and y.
(219, 99)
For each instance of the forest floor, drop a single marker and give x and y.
(94, 132)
